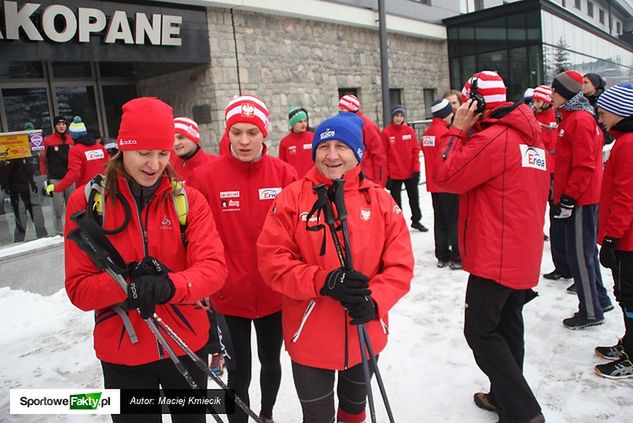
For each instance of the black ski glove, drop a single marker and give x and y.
(346, 286)
(148, 266)
(607, 252)
(144, 292)
(362, 312)
(564, 210)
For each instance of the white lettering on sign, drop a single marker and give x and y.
(158, 30)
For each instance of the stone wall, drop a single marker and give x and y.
(289, 61)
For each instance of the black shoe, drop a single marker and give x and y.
(613, 352)
(441, 264)
(607, 308)
(482, 400)
(571, 289)
(455, 265)
(578, 321)
(554, 275)
(420, 227)
(619, 369)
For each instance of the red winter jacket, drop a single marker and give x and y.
(615, 218)
(547, 119)
(84, 163)
(296, 150)
(184, 167)
(240, 195)
(431, 147)
(374, 163)
(501, 175)
(403, 151)
(196, 271)
(316, 328)
(578, 158)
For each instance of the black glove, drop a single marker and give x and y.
(607, 252)
(388, 184)
(34, 187)
(346, 286)
(148, 266)
(144, 292)
(362, 312)
(564, 210)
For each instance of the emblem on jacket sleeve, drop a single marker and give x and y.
(428, 140)
(365, 214)
(533, 157)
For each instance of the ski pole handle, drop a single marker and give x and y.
(338, 199)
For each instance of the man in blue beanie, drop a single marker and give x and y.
(298, 258)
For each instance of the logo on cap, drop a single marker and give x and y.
(248, 110)
(329, 133)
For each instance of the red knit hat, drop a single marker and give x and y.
(247, 109)
(490, 86)
(543, 93)
(349, 103)
(187, 128)
(146, 124)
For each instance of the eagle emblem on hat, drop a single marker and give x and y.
(248, 110)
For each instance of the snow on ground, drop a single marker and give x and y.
(428, 370)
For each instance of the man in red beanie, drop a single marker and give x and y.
(374, 164)
(240, 187)
(189, 155)
(501, 176)
(577, 183)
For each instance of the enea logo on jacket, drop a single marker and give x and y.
(94, 154)
(532, 157)
(428, 141)
(269, 193)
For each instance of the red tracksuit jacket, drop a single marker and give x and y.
(431, 139)
(403, 151)
(502, 177)
(197, 272)
(296, 150)
(185, 168)
(240, 195)
(316, 328)
(84, 163)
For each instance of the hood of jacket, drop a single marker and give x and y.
(518, 117)
(623, 126)
(87, 139)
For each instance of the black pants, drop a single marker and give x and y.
(493, 328)
(315, 388)
(623, 290)
(557, 244)
(269, 341)
(411, 185)
(445, 212)
(150, 376)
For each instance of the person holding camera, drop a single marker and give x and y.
(500, 174)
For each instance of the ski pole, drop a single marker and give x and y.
(106, 258)
(339, 202)
(345, 262)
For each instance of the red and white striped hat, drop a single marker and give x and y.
(349, 103)
(490, 86)
(247, 109)
(543, 93)
(187, 128)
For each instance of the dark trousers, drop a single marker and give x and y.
(315, 389)
(150, 376)
(582, 256)
(269, 341)
(623, 290)
(411, 185)
(445, 212)
(493, 328)
(557, 244)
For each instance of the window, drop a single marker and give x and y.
(590, 9)
(395, 97)
(479, 5)
(618, 28)
(601, 16)
(343, 91)
(429, 96)
(577, 4)
(563, 3)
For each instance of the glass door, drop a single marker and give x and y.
(78, 101)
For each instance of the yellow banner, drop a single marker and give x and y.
(14, 145)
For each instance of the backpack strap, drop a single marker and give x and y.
(94, 198)
(181, 204)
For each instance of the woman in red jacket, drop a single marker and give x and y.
(297, 262)
(149, 229)
(240, 187)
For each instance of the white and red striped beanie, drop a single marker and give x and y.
(247, 109)
(349, 103)
(490, 86)
(187, 128)
(543, 93)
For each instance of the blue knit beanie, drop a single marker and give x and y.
(345, 127)
(618, 100)
(77, 128)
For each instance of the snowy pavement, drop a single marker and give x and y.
(428, 370)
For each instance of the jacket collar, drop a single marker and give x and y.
(245, 166)
(354, 179)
